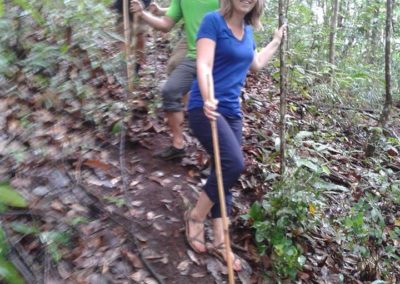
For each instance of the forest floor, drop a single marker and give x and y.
(82, 226)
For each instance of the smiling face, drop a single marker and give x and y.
(243, 6)
(251, 10)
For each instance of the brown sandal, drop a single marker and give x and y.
(219, 252)
(189, 239)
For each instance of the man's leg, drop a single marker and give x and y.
(177, 55)
(139, 43)
(178, 84)
(175, 123)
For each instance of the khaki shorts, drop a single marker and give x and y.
(177, 55)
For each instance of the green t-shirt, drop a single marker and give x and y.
(192, 13)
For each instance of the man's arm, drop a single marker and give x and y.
(164, 23)
(155, 9)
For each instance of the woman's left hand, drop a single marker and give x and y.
(280, 33)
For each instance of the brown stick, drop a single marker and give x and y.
(221, 192)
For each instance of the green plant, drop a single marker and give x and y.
(8, 273)
(285, 212)
(54, 240)
(118, 201)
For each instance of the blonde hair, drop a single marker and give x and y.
(251, 18)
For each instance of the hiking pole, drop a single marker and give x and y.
(221, 193)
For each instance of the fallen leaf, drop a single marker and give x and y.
(183, 267)
(149, 280)
(150, 215)
(64, 269)
(303, 276)
(133, 258)
(177, 187)
(151, 254)
(193, 257)
(311, 209)
(97, 165)
(57, 205)
(136, 212)
(139, 276)
(156, 179)
(158, 226)
(392, 151)
(141, 238)
(116, 180)
(137, 203)
(246, 272)
(198, 274)
(134, 183)
(158, 174)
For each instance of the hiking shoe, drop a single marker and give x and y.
(170, 153)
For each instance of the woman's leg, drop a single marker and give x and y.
(232, 162)
(195, 222)
(229, 135)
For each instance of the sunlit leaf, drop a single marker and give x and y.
(379, 282)
(116, 127)
(9, 274)
(4, 247)
(10, 197)
(312, 209)
(24, 228)
(53, 240)
(303, 134)
(1, 8)
(307, 163)
(330, 186)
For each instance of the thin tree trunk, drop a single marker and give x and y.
(283, 90)
(341, 14)
(332, 34)
(374, 39)
(388, 76)
(127, 33)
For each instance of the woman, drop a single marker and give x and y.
(225, 53)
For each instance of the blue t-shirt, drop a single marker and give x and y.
(232, 61)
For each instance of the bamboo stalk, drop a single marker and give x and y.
(221, 193)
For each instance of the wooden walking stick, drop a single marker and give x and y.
(221, 193)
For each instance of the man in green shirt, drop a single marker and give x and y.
(180, 80)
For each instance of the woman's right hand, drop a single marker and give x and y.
(210, 109)
(136, 7)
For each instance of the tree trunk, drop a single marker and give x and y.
(388, 76)
(283, 90)
(374, 38)
(127, 33)
(341, 14)
(332, 34)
